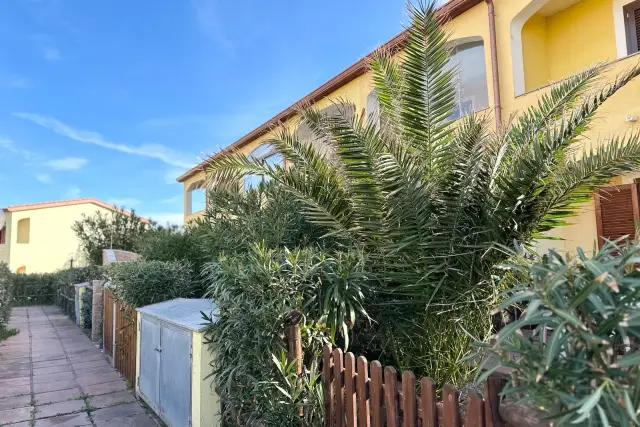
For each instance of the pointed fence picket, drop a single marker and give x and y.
(362, 394)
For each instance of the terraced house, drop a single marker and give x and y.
(38, 238)
(508, 52)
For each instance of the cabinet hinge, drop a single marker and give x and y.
(139, 326)
(191, 351)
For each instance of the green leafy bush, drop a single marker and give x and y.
(117, 229)
(235, 221)
(169, 244)
(33, 288)
(141, 283)
(87, 308)
(5, 295)
(254, 293)
(582, 361)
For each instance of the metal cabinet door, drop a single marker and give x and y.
(150, 348)
(175, 378)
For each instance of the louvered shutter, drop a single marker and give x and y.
(616, 212)
(636, 18)
(632, 24)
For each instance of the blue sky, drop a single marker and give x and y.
(114, 99)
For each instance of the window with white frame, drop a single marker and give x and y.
(631, 14)
(472, 93)
(266, 154)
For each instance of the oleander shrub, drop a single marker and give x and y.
(116, 229)
(255, 293)
(141, 283)
(87, 308)
(33, 289)
(581, 363)
(5, 295)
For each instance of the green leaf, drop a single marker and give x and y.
(631, 359)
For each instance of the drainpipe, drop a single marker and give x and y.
(494, 64)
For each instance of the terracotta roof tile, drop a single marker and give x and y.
(61, 203)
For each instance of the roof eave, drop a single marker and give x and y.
(449, 10)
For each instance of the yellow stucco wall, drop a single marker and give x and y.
(579, 37)
(52, 242)
(553, 47)
(205, 410)
(534, 47)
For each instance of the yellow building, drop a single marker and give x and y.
(508, 52)
(37, 238)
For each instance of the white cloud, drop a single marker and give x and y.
(44, 178)
(72, 193)
(166, 217)
(154, 151)
(14, 81)
(66, 163)
(7, 144)
(173, 200)
(127, 202)
(51, 54)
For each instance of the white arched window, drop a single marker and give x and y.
(373, 108)
(472, 93)
(264, 153)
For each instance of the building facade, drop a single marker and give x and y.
(38, 238)
(508, 53)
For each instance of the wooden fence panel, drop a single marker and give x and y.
(126, 341)
(107, 325)
(366, 395)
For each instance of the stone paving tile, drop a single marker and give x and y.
(60, 408)
(49, 363)
(15, 402)
(90, 364)
(58, 396)
(15, 391)
(45, 378)
(12, 382)
(64, 364)
(15, 415)
(52, 370)
(99, 378)
(118, 411)
(97, 370)
(98, 389)
(73, 420)
(140, 420)
(54, 386)
(111, 399)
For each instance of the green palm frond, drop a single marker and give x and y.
(428, 92)
(430, 200)
(573, 184)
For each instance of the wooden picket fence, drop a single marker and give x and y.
(362, 394)
(120, 335)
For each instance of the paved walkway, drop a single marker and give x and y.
(52, 375)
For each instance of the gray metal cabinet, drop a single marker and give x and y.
(168, 374)
(150, 347)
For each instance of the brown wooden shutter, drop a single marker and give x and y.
(617, 211)
(632, 26)
(636, 17)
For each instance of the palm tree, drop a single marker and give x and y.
(433, 201)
